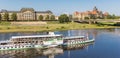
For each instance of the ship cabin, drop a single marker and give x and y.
(34, 39)
(75, 38)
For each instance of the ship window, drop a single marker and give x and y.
(3, 43)
(36, 41)
(29, 41)
(33, 41)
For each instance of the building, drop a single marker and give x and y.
(94, 14)
(56, 17)
(27, 14)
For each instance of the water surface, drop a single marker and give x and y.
(106, 45)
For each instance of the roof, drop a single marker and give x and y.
(43, 12)
(13, 11)
(33, 36)
(73, 37)
(25, 9)
(7, 41)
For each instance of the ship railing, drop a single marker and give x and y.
(6, 41)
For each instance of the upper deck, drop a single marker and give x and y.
(35, 36)
(74, 37)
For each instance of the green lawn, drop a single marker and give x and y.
(51, 26)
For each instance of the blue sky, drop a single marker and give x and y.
(63, 6)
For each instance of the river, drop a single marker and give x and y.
(106, 45)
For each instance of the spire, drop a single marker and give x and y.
(95, 8)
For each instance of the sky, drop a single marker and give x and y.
(63, 6)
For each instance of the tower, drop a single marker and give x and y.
(95, 9)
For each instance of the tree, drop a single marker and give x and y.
(0, 17)
(63, 18)
(86, 18)
(70, 17)
(52, 17)
(14, 16)
(40, 17)
(113, 16)
(109, 17)
(47, 17)
(6, 16)
(92, 16)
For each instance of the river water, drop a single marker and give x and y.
(106, 45)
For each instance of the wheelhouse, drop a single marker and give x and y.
(75, 38)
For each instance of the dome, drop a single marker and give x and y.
(27, 9)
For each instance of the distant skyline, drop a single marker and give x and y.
(63, 6)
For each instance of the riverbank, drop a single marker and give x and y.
(50, 27)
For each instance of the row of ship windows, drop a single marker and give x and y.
(16, 47)
(76, 42)
(28, 42)
(41, 40)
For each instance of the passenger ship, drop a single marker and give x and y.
(34, 41)
(41, 41)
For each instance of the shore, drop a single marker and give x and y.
(50, 27)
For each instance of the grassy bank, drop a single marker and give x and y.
(49, 27)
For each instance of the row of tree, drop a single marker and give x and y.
(52, 17)
(62, 18)
(102, 17)
(6, 16)
(112, 17)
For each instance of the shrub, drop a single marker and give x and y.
(62, 27)
(5, 23)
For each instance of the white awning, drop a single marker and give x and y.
(34, 36)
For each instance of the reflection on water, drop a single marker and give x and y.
(44, 53)
(78, 46)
